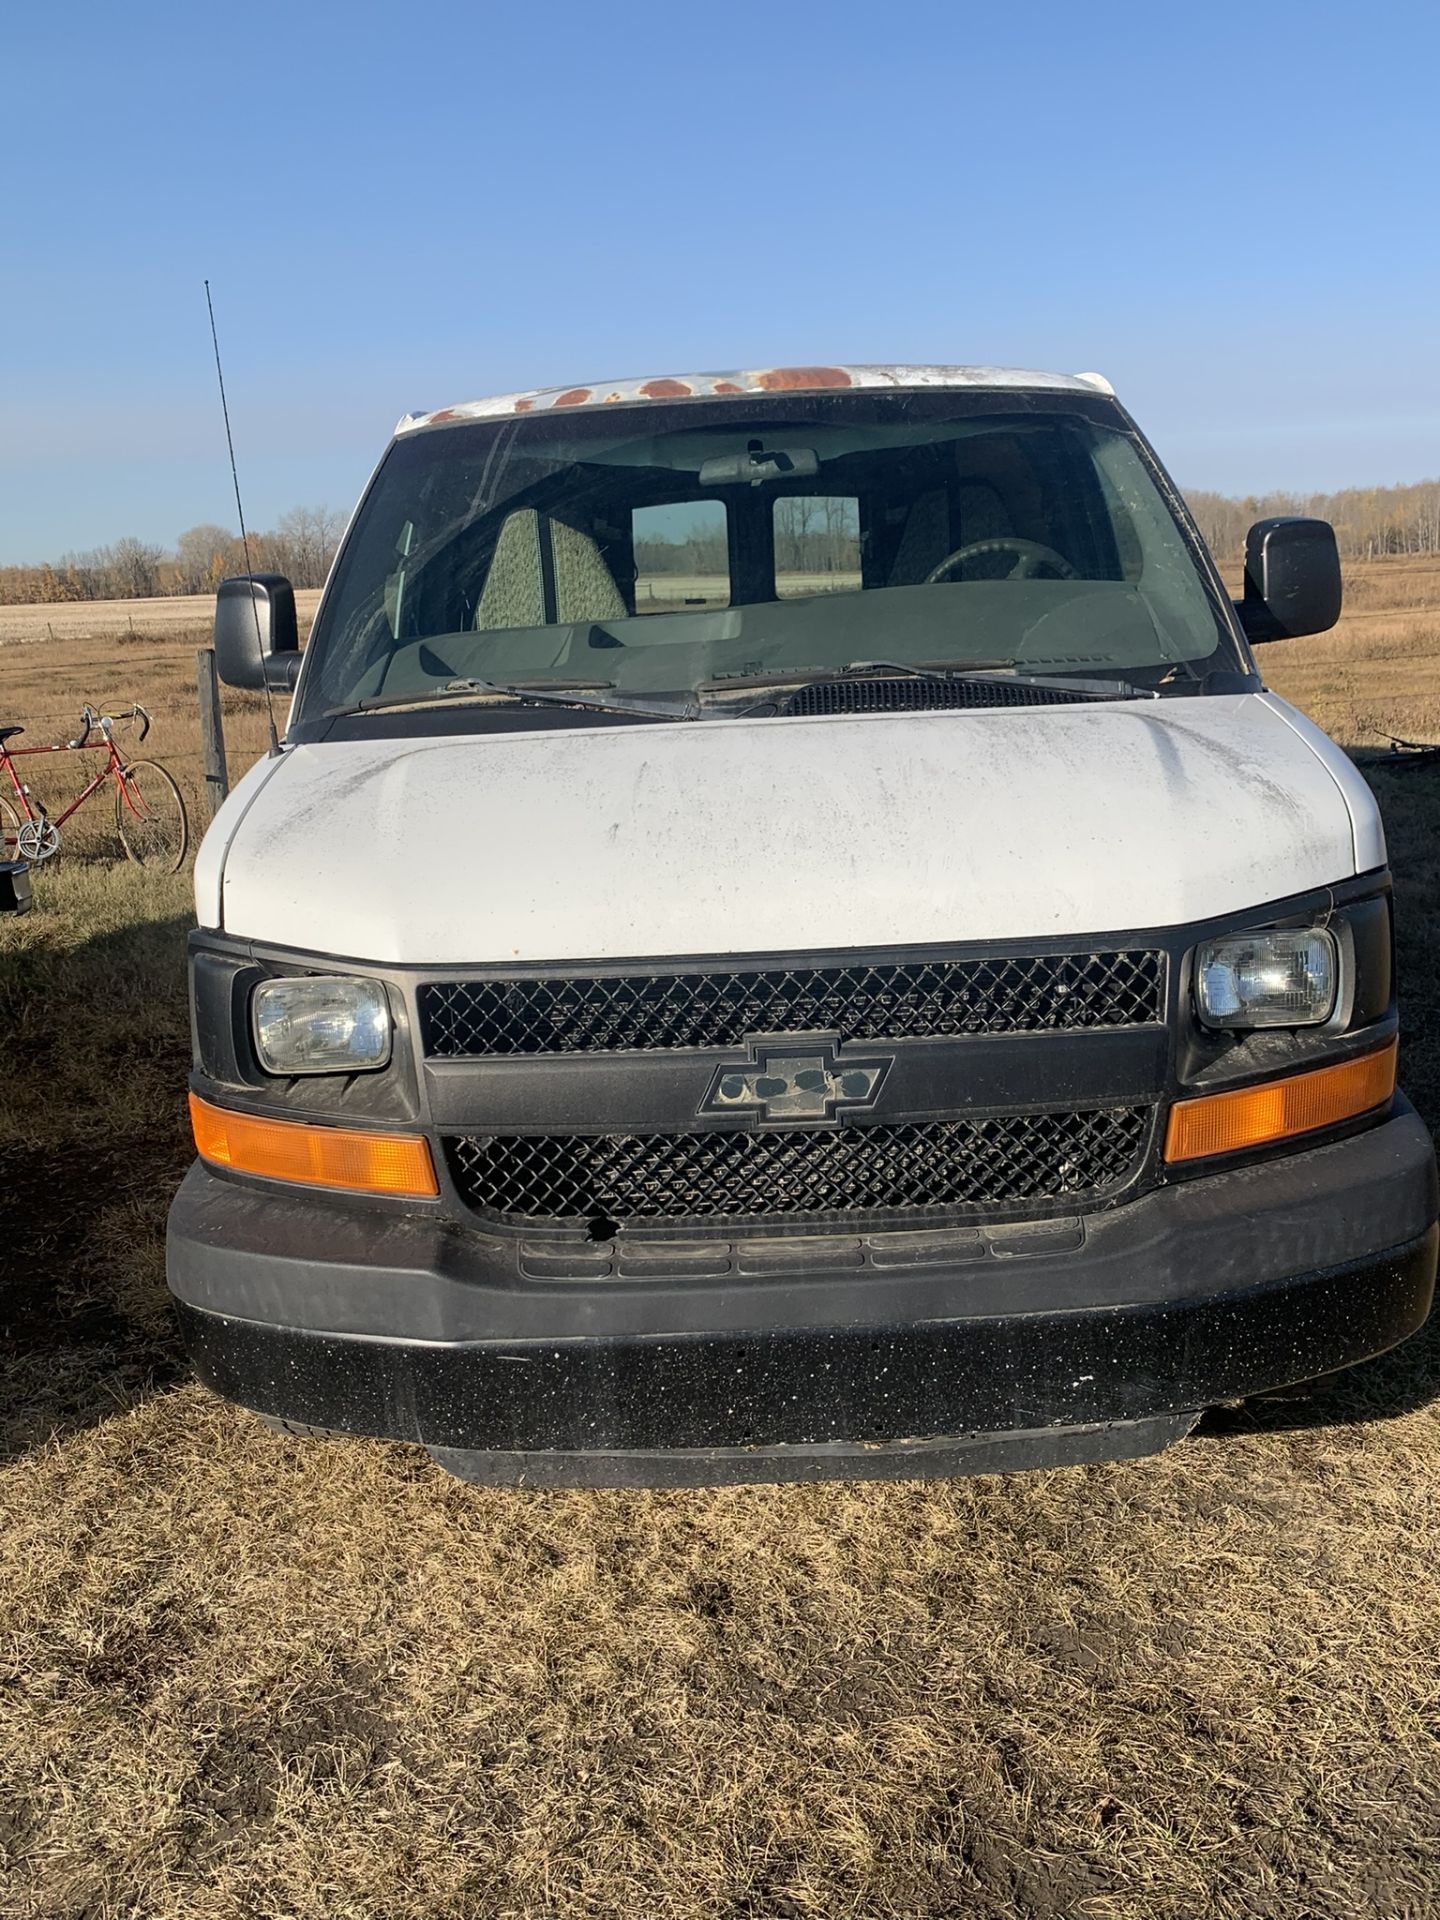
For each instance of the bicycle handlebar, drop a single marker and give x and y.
(89, 720)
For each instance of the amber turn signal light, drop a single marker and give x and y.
(1256, 1116)
(395, 1163)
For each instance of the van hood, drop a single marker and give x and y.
(785, 835)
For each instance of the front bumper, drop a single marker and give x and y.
(371, 1320)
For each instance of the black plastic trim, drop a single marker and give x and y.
(346, 1264)
(819, 1386)
(929, 1079)
(739, 1001)
(942, 1459)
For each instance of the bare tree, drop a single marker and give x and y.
(303, 544)
(816, 533)
(798, 518)
(206, 555)
(87, 574)
(134, 569)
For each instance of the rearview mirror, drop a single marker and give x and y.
(257, 638)
(1292, 579)
(755, 467)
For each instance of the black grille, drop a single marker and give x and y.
(949, 1163)
(1057, 992)
(913, 693)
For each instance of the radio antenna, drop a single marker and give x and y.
(240, 512)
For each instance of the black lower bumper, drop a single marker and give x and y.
(1199, 1293)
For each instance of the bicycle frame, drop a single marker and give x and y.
(114, 768)
(36, 832)
(113, 765)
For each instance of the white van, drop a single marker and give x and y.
(786, 938)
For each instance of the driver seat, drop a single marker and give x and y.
(924, 542)
(7, 733)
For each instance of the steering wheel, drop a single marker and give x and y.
(1030, 556)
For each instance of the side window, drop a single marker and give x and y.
(817, 545)
(682, 556)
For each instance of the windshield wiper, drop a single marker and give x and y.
(793, 676)
(1102, 686)
(1098, 686)
(661, 707)
(978, 672)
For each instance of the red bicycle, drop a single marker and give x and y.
(149, 813)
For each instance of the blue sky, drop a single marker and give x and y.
(1229, 209)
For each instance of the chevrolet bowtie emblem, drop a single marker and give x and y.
(779, 1083)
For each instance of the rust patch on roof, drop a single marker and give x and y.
(733, 384)
(798, 379)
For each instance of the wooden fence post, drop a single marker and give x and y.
(212, 730)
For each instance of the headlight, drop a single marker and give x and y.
(321, 1024)
(1277, 978)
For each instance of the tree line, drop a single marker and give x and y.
(301, 546)
(1370, 522)
(814, 533)
(811, 534)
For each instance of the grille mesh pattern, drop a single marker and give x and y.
(1033, 1156)
(896, 1001)
(911, 694)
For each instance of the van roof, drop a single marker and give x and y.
(704, 386)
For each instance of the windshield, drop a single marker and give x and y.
(676, 549)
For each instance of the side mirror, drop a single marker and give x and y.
(257, 639)
(1292, 579)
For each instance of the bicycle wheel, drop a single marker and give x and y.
(9, 829)
(150, 817)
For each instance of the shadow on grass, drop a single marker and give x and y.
(94, 1051)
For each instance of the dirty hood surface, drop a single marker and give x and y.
(763, 836)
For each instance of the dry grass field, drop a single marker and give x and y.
(1378, 673)
(249, 1678)
(167, 616)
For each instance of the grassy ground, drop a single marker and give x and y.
(1378, 673)
(43, 687)
(172, 615)
(245, 1676)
